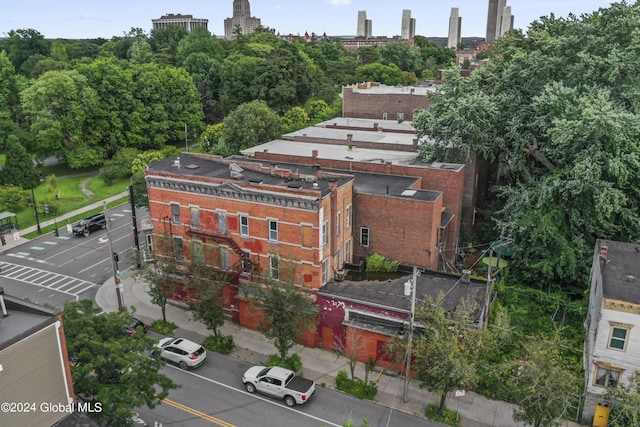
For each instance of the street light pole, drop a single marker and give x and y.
(114, 262)
(35, 205)
(407, 371)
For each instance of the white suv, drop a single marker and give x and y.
(185, 353)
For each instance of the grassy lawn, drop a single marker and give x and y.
(66, 197)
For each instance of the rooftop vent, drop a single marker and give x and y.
(176, 163)
(295, 185)
(310, 178)
(409, 193)
(255, 181)
(192, 166)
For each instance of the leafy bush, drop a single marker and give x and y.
(450, 418)
(292, 362)
(219, 343)
(165, 328)
(356, 386)
(378, 263)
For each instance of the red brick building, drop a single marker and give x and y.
(253, 219)
(381, 102)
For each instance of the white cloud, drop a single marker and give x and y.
(338, 3)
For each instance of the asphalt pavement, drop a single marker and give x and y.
(318, 364)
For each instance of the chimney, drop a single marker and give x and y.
(349, 137)
(412, 91)
(604, 249)
(375, 126)
(333, 184)
(387, 168)
(273, 170)
(415, 142)
(314, 155)
(466, 276)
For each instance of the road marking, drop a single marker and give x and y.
(37, 248)
(197, 413)
(25, 255)
(255, 396)
(35, 276)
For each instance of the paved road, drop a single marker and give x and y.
(213, 395)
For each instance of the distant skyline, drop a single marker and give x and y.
(76, 19)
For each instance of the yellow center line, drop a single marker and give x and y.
(198, 413)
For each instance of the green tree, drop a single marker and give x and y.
(446, 352)
(368, 55)
(18, 167)
(237, 74)
(625, 399)
(109, 367)
(288, 310)
(407, 57)
(59, 51)
(294, 119)
(12, 198)
(249, 125)
(211, 139)
(10, 87)
(165, 41)
(385, 74)
(60, 107)
(204, 274)
(540, 380)
(23, 44)
(140, 52)
(200, 40)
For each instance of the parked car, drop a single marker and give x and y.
(279, 382)
(133, 327)
(186, 354)
(89, 224)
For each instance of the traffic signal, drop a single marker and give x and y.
(116, 258)
(56, 232)
(4, 242)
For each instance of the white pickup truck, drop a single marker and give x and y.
(279, 382)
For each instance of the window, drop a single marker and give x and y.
(273, 230)
(175, 213)
(607, 377)
(347, 251)
(400, 116)
(338, 224)
(195, 217)
(244, 225)
(222, 222)
(325, 271)
(274, 267)
(197, 252)
(338, 259)
(364, 237)
(384, 116)
(307, 236)
(618, 338)
(224, 258)
(325, 226)
(347, 217)
(178, 250)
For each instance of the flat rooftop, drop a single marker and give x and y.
(369, 124)
(396, 90)
(356, 136)
(390, 293)
(342, 152)
(621, 271)
(206, 166)
(22, 318)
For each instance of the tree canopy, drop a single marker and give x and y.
(557, 110)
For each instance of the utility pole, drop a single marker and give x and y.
(35, 205)
(136, 242)
(186, 138)
(114, 262)
(407, 369)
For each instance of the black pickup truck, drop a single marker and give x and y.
(89, 224)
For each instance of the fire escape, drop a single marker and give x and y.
(244, 268)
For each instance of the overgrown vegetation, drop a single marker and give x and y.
(356, 386)
(222, 344)
(378, 263)
(448, 417)
(292, 362)
(163, 327)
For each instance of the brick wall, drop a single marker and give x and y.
(372, 106)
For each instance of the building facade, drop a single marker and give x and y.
(612, 343)
(188, 22)
(408, 26)
(253, 221)
(455, 27)
(499, 20)
(241, 20)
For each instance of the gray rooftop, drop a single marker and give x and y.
(369, 124)
(23, 318)
(342, 152)
(364, 182)
(202, 165)
(390, 293)
(364, 136)
(402, 90)
(621, 271)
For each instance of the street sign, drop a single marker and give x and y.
(459, 393)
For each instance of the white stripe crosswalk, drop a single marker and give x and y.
(45, 279)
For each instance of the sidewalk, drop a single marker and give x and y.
(318, 364)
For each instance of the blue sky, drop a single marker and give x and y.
(92, 19)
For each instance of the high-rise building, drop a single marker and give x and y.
(408, 30)
(499, 19)
(455, 25)
(362, 22)
(187, 22)
(241, 19)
